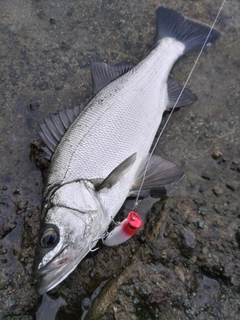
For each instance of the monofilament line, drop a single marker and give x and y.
(172, 110)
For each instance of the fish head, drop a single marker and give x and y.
(66, 235)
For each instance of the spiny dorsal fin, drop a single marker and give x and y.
(55, 126)
(174, 90)
(103, 73)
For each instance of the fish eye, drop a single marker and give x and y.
(49, 238)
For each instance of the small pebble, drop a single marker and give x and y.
(144, 291)
(58, 85)
(216, 155)
(189, 239)
(232, 185)
(52, 21)
(237, 235)
(136, 301)
(13, 303)
(218, 191)
(205, 250)
(218, 210)
(141, 239)
(22, 204)
(192, 312)
(201, 224)
(158, 300)
(205, 176)
(236, 161)
(203, 210)
(34, 105)
(86, 304)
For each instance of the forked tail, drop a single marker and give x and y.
(192, 34)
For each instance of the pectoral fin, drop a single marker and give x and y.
(155, 173)
(116, 174)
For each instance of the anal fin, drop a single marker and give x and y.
(159, 172)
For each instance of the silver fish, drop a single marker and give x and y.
(100, 154)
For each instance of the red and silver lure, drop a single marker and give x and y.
(125, 230)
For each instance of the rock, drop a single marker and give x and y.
(136, 300)
(218, 210)
(228, 269)
(144, 291)
(232, 185)
(40, 158)
(217, 190)
(22, 204)
(52, 21)
(13, 303)
(200, 224)
(205, 176)
(237, 235)
(58, 85)
(189, 239)
(34, 105)
(206, 289)
(203, 210)
(216, 155)
(159, 301)
(180, 273)
(236, 161)
(205, 250)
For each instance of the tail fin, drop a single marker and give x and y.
(193, 34)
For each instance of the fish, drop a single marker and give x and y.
(100, 153)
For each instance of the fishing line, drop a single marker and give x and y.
(170, 114)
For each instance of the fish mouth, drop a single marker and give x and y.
(55, 271)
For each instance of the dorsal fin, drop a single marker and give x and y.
(55, 126)
(103, 73)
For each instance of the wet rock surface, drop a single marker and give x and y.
(184, 263)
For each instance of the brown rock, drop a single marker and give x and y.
(217, 190)
(216, 155)
(232, 185)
